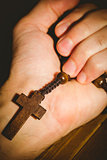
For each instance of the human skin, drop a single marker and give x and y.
(85, 42)
(34, 64)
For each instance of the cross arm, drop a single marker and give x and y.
(21, 100)
(39, 112)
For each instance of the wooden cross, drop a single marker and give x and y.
(29, 106)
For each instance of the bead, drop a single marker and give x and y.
(99, 82)
(63, 77)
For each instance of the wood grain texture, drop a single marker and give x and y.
(69, 146)
(29, 106)
(96, 147)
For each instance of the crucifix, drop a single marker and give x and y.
(31, 105)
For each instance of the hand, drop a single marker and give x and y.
(85, 42)
(34, 65)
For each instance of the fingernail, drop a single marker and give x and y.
(69, 67)
(61, 28)
(82, 77)
(65, 46)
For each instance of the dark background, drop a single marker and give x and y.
(10, 12)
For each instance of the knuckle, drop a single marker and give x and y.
(82, 27)
(83, 48)
(95, 64)
(86, 27)
(102, 39)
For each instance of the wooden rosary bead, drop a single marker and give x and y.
(31, 105)
(63, 77)
(101, 82)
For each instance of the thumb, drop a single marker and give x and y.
(47, 12)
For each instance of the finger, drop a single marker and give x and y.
(86, 49)
(86, 27)
(94, 68)
(47, 12)
(78, 13)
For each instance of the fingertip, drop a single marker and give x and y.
(69, 67)
(83, 78)
(64, 46)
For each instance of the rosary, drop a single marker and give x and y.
(30, 105)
